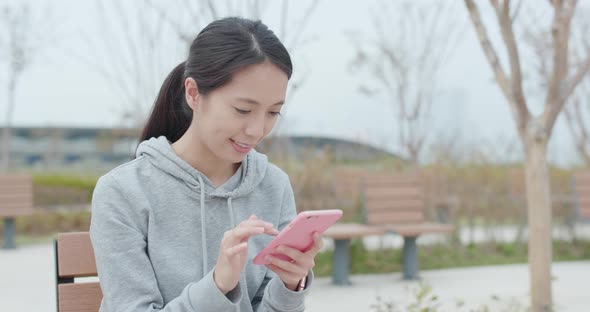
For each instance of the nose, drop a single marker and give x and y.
(255, 128)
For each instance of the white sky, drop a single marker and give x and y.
(66, 92)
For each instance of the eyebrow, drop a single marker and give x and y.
(251, 101)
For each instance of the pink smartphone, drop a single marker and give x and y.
(298, 233)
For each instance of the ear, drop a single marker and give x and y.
(191, 93)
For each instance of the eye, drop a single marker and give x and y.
(274, 114)
(241, 111)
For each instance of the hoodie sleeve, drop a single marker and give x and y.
(276, 297)
(118, 233)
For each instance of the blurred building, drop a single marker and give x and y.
(59, 147)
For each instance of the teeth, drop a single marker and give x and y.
(242, 145)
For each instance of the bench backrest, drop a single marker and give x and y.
(74, 257)
(582, 189)
(16, 195)
(393, 199)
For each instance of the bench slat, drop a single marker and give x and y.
(15, 212)
(76, 256)
(395, 217)
(392, 193)
(80, 297)
(11, 179)
(380, 205)
(582, 178)
(352, 230)
(15, 189)
(414, 230)
(23, 200)
(16, 195)
(387, 183)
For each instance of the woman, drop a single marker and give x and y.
(176, 228)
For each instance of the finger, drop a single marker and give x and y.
(284, 275)
(318, 243)
(268, 227)
(291, 267)
(236, 249)
(292, 253)
(256, 222)
(241, 234)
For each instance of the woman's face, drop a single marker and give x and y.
(233, 119)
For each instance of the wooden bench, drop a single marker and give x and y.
(581, 188)
(396, 203)
(347, 190)
(74, 258)
(391, 203)
(16, 199)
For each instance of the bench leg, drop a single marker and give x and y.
(410, 258)
(9, 233)
(341, 262)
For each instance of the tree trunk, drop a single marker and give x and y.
(539, 221)
(6, 131)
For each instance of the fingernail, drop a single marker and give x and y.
(268, 258)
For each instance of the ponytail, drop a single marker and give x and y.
(171, 116)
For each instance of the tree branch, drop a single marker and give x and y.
(505, 22)
(556, 95)
(520, 114)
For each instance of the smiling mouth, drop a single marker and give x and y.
(244, 145)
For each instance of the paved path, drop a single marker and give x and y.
(27, 284)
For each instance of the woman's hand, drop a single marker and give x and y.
(233, 251)
(292, 272)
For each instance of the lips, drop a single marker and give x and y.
(242, 144)
(241, 147)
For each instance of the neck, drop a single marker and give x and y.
(192, 150)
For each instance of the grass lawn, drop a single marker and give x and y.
(447, 256)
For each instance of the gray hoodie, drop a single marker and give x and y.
(157, 224)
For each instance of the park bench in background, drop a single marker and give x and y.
(396, 203)
(16, 199)
(74, 258)
(581, 188)
(391, 203)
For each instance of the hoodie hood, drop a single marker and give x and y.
(160, 153)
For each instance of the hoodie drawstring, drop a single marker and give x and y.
(203, 231)
(233, 225)
(231, 212)
(203, 239)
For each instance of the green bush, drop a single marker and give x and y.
(46, 223)
(55, 189)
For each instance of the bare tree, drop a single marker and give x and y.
(24, 40)
(534, 131)
(133, 53)
(404, 61)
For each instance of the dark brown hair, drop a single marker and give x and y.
(219, 50)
